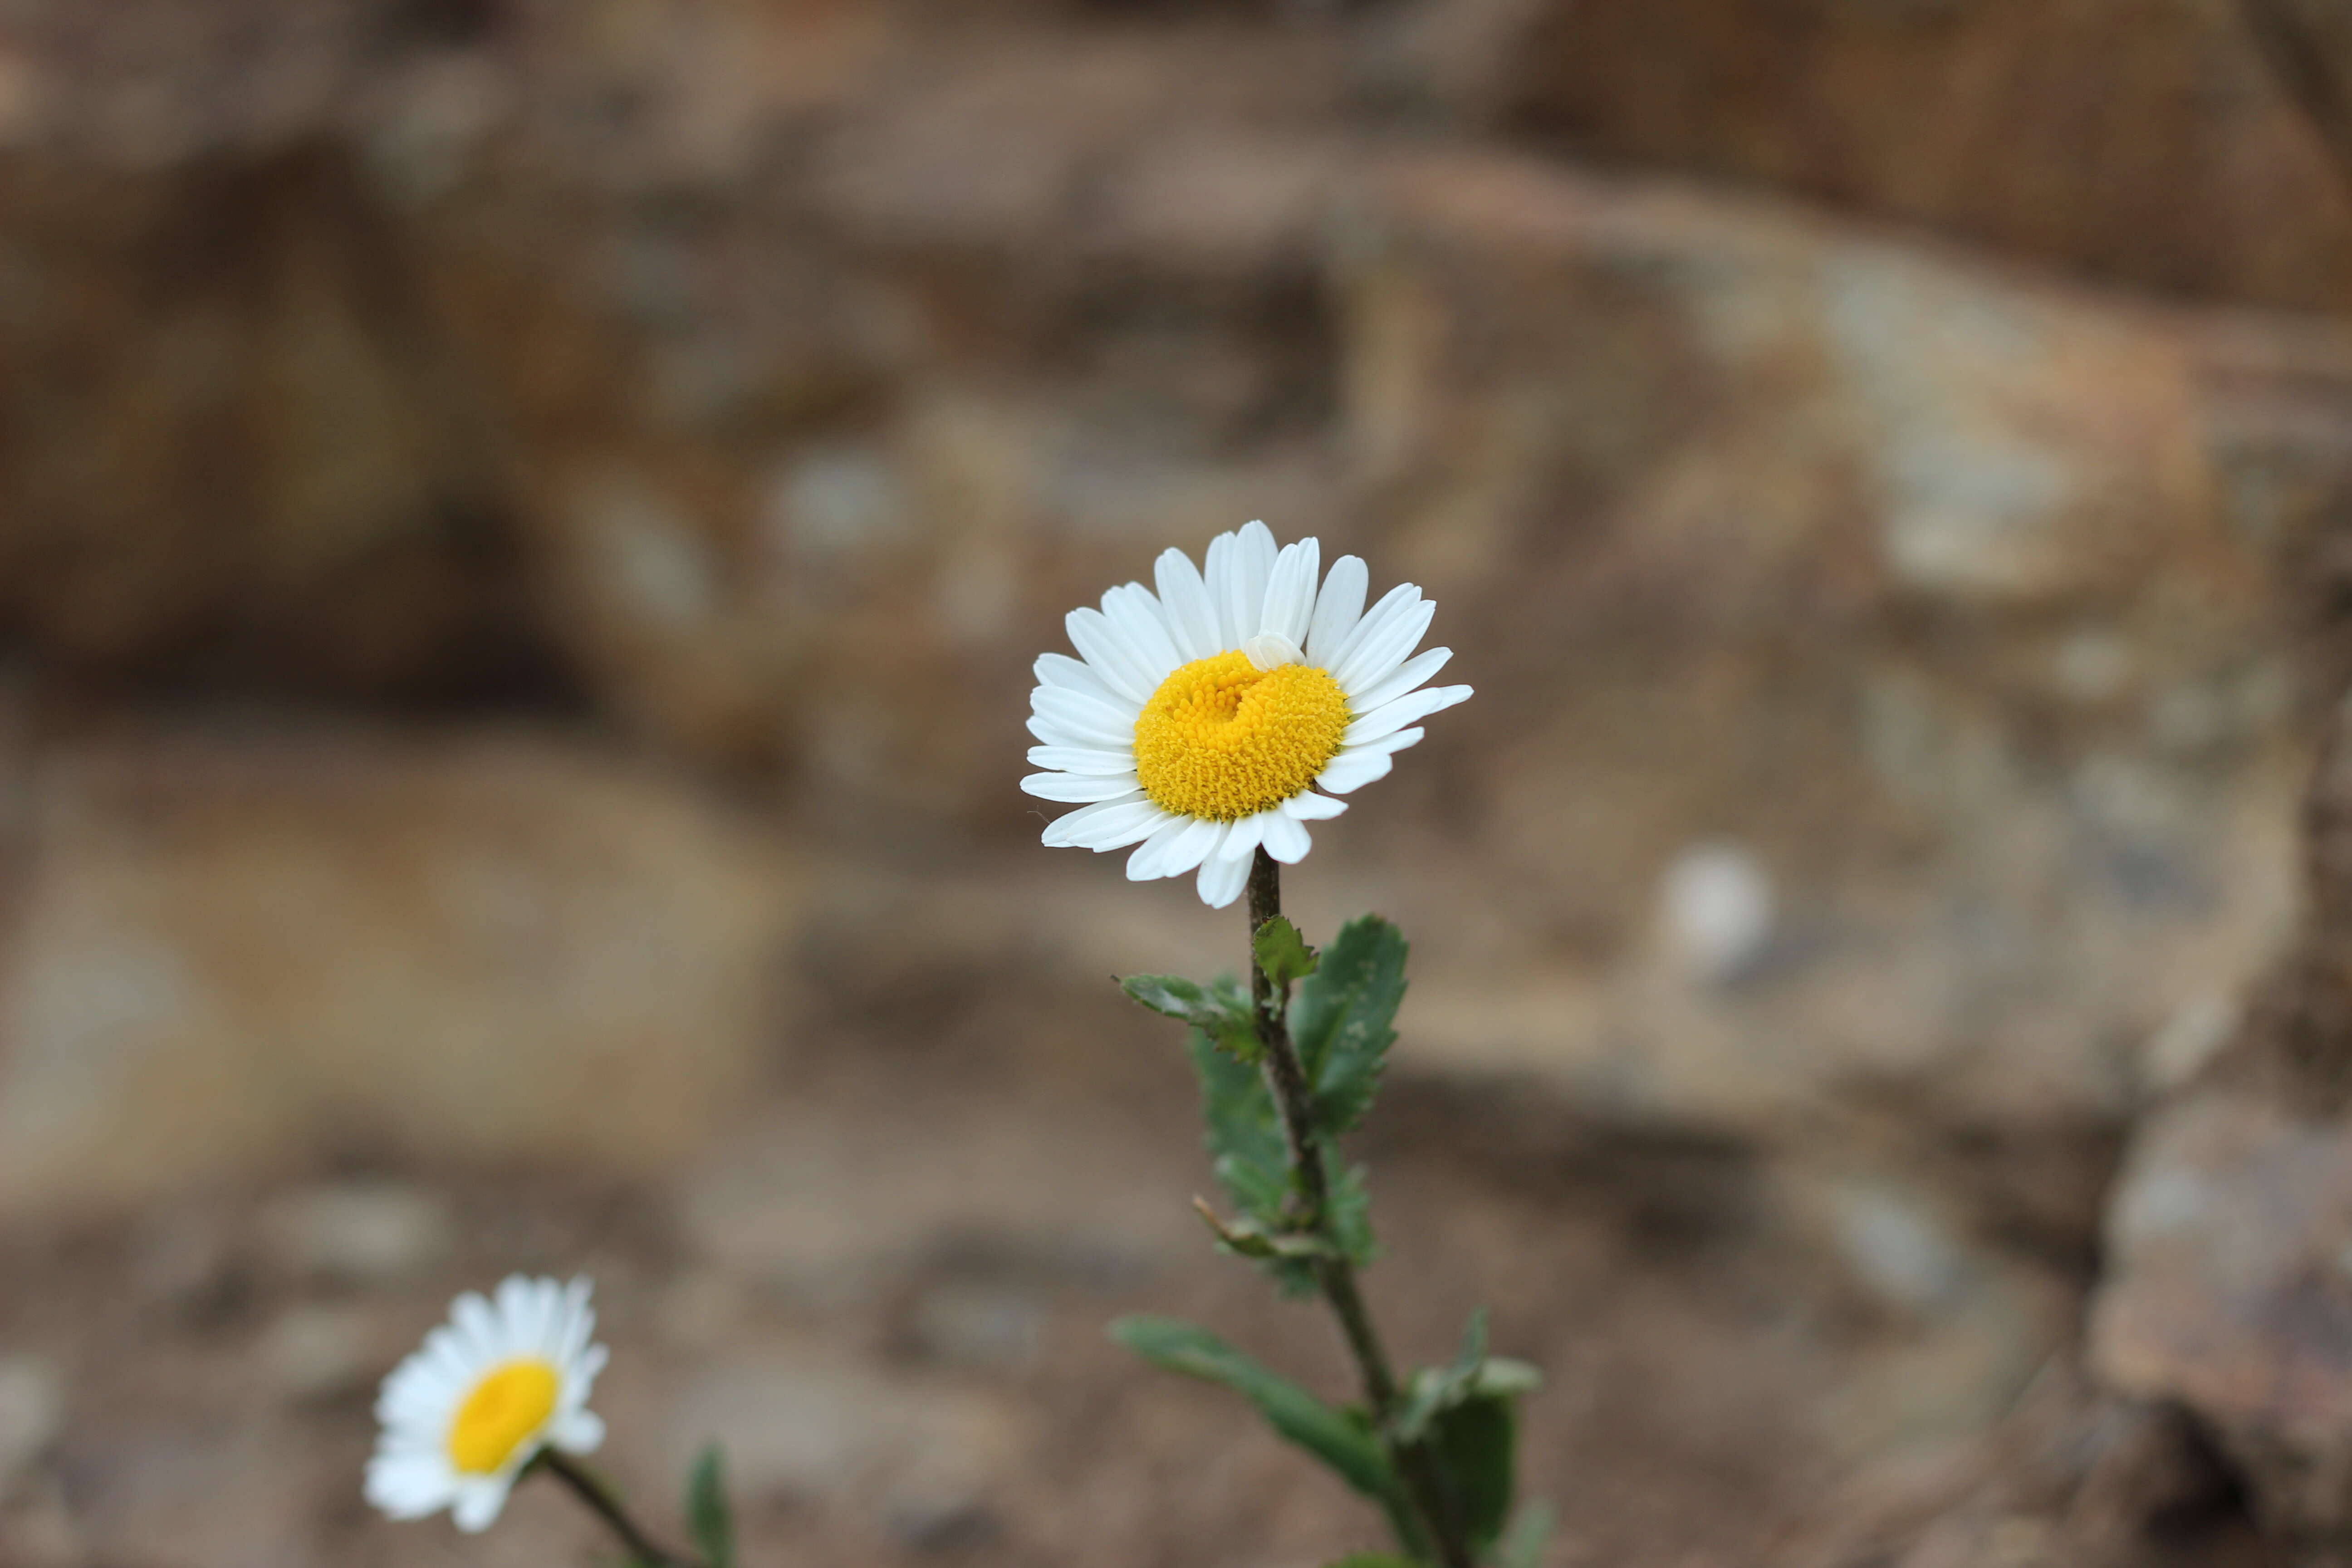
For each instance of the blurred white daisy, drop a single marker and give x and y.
(498, 1383)
(1200, 721)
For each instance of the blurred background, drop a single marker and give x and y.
(524, 528)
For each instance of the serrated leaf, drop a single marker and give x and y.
(1522, 1545)
(1282, 953)
(1476, 1441)
(1247, 1152)
(1340, 1439)
(1342, 1019)
(1351, 1217)
(709, 1518)
(1220, 1010)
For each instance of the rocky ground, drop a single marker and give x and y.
(523, 525)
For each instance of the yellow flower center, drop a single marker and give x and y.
(1222, 739)
(505, 1409)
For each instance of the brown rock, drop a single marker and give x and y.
(2149, 143)
(226, 957)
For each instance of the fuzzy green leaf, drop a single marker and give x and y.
(1477, 1442)
(1341, 1440)
(1282, 953)
(1249, 1154)
(707, 1516)
(1351, 1217)
(1220, 1010)
(1523, 1543)
(1343, 1020)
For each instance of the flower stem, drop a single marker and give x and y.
(605, 1504)
(1425, 1482)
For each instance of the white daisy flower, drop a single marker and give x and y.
(497, 1384)
(1199, 722)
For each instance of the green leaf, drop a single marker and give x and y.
(1522, 1545)
(1351, 1217)
(1341, 1440)
(707, 1516)
(1219, 1010)
(1282, 953)
(1342, 1019)
(1476, 1441)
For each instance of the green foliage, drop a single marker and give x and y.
(708, 1518)
(1251, 1161)
(1342, 1019)
(1351, 1216)
(1468, 1415)
(1523, 1543)
(1342, 1439)
(1282, 953)
(1220, 1010)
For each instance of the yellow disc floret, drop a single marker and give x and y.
(1222, 739)
(505, 1409)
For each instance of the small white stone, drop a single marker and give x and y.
(1717, 908)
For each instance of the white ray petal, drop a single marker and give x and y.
(1290, 593)
(1351, 771)
(1192, 618)
(1088, 825)
(1286, 838)
(580, 1432)
(1071, 675)
(1109, 654)
(1195, 844)
(1407, 709)
(1387, 745)
(1245, 580)
(478, 1501)
(1413, 672)
(1090, 759)
(1133, 609)
(1216, 575)
(1379, 656)
(1144, 863)
(1079, 789)
(1308, 807)
(1394, 602)
(1108, 728)
(1338, 608)
(1223, 877)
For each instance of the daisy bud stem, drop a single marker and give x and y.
(607, 1505)
(1424, 1479)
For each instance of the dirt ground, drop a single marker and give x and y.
(887, 1297)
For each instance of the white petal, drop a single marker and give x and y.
(1133, 610)
(1109, 654)
(580, 1432)
(1194, 845)
(406, 1485)
(478, 1501)
(1106, 726)
(1216, 575)
(1081, 760)
(1394, 602)
(1073, 675)
(1252, 563)
(1286, 838)
(1143, 865)
(1413, 672)
(579, 1323)
(1308, 807)
(519, 1315)
(1338, 608)
(478, 1328)
(1087, 826)
(1378, 656)
(1223, 877)
(1192, 618)
(1242, 842)
(1267, 651)
(1404, 711)
(1290, 592)
(1387, 745)
(584, 1370)
(1351, 771)
(1079, 789)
